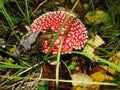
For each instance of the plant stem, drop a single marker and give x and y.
(65, 81)
(58, 64)
(60, 48)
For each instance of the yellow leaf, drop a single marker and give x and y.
(97, 17)
(9, 60)
(109, 78)
(78, 88)
(96, 41)
(112, 70)
(116, 60)
(98, 76)
(93, 87)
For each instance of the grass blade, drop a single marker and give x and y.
(10, 65)
(98, 59)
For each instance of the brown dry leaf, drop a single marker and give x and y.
(96, 41)
(49, 72)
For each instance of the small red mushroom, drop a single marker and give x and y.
(76, 35)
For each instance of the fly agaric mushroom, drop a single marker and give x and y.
(76, 35)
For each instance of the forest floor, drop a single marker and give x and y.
(23, 66)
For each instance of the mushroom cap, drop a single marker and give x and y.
(76, 35)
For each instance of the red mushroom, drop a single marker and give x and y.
(76, 35)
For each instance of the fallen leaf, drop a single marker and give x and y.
(78, 88)
(95, 41)
(98, 74)
(81, 77)
(116, 60)
(97, 17)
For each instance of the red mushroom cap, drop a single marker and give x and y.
(75, 38)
